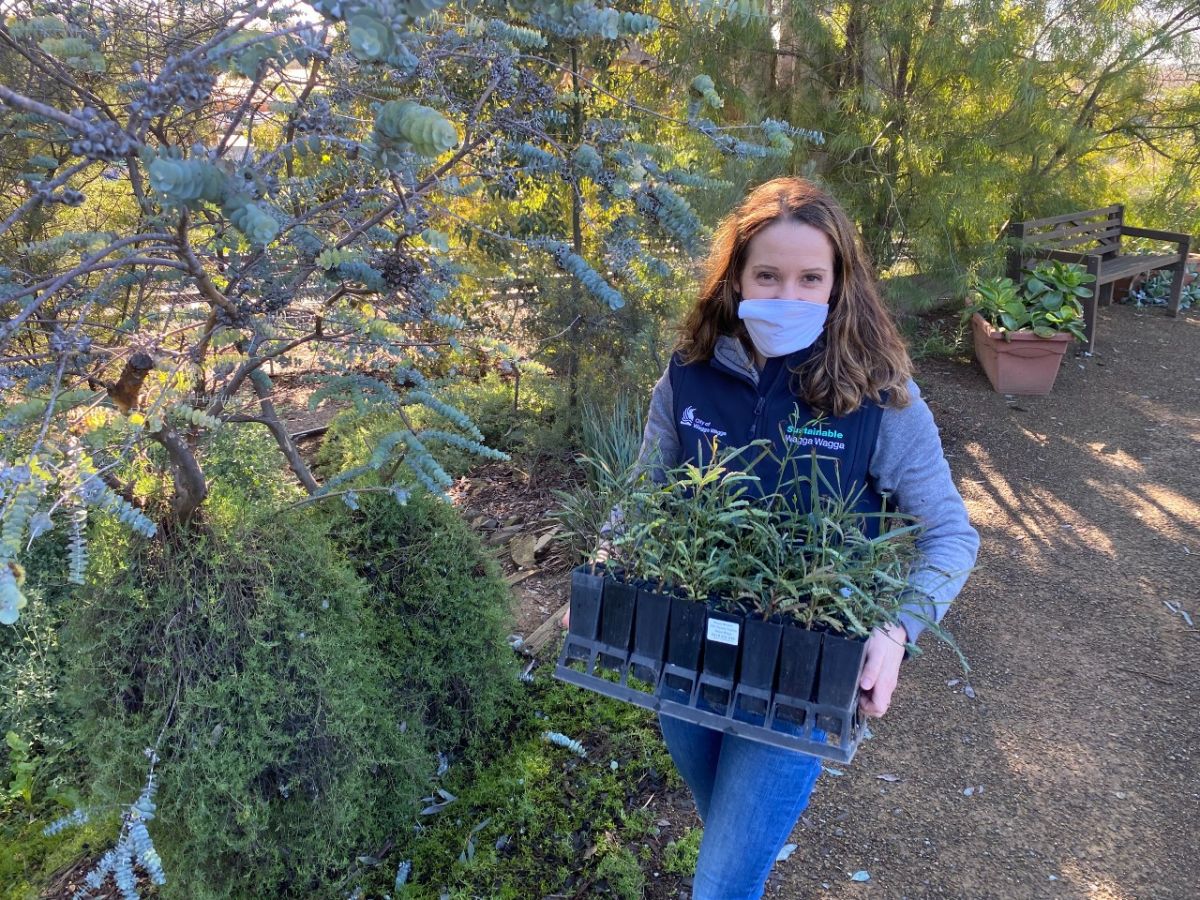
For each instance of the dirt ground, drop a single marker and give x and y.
(1067, 767)
(1082, 741)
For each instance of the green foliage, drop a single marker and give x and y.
(935, 338)
(185, 180)
(612, 437)
(333, 257)
(369, 38)
(27, 411)
(32, 664)
(526, 806)
(1049, 302)
(275, 748)
(76, 53)
(403, 124)
(680, 856)
(302, 697)
(248, 61)
(98, 494)
(708, 532)
(30, 658)
(977, 114)
(251, 218)
(313, 226)
(508, 413)
(702, 88)
(12, 601)
(20, 769)
(32, 859)
(685, 533)
(196, 417)
(576, 265)
(622, 874)
(446, 613)
(1155, 290)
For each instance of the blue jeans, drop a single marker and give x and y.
(749, 796)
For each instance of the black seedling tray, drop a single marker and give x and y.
(773, 683)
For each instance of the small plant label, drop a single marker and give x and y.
(723, 632)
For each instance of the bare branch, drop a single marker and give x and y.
(66, 175)
(92, 264)
(282, 436)
(26, 104)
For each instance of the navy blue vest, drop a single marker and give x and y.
(713, 400)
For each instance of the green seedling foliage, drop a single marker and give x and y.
(709, 532)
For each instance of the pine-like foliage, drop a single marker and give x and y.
(304, 688)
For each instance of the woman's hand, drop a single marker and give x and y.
(881, 671)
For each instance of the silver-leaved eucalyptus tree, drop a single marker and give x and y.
(199, 196)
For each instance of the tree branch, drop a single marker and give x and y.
(67, 174)
(282, 436)
(190, 487)
(26, 104)
(50, 286)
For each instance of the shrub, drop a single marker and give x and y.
(283, 755)
(442, 608)
(299, 670)
(30, 659)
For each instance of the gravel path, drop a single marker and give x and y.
(1072, 771)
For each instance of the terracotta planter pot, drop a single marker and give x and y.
(1025, 364)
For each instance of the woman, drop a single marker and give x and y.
(789, 317)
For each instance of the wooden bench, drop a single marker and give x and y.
(1092, 238)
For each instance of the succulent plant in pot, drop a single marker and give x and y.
(1022, 331)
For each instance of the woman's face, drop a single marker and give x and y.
(787, 260)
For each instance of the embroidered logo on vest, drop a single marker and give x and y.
(689, 419)
(816, 434)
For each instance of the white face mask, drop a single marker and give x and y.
(780, 327)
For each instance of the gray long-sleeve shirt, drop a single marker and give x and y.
(908, 464)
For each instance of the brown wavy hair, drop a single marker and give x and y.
(860, 355)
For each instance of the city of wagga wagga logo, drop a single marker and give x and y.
(689, 419)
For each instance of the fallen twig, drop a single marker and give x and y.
(1157, 678)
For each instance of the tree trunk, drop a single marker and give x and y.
(191, 489)
(785, 48)
(577, 299)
